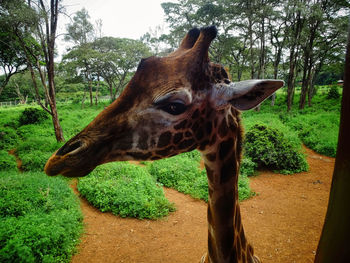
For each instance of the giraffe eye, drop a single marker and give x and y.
(174, 108)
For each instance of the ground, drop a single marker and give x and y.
(283, 222)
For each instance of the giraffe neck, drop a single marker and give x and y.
(226, 238)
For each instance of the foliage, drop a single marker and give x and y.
(126, 190)
(333, 92)
(248, 167)
(32, 116)
(7, 161)
(8, 138)
(269, 148)
(318, 131)
(183, 174)
(40, 218)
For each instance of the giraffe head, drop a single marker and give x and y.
(167, 108)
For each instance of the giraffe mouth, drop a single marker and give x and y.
(70, 160)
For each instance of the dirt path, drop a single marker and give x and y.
(283, 222)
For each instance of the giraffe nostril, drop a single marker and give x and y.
(69, 147)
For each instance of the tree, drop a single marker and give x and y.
(12, 58)
(33, 27)
(81, 62)
(334, 242)
(81, 32)
(118, 57)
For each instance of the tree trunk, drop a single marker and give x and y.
(110, 85)
(97, 89)
(5, 81)
(311, 92)
(335, 243)
(291, 79)
(90, 92)
(83, 100)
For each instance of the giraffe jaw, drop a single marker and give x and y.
(58, 165)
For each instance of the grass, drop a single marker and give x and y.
(126, 190)
(40, 218)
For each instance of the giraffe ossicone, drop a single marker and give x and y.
(172, 105)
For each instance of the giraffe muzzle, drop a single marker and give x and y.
(69, 148)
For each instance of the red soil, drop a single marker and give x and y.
(283, 222)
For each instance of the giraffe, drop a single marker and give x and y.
(172, 105)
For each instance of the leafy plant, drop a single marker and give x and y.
(40, 218)
(8, 138)
(269, 148)
(183, 174)
(333, 92)
(7, 161)
(248, 167)
(126, 190)
(32, 116)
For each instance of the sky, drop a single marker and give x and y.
(120, 18)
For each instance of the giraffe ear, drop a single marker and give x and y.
(245, 95)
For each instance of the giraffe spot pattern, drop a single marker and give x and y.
(239, 250)
(242, 238)
(203, 145)
(227, 240)
(166, 151)
(210, 173)
(223, 129)
(211, 156)
(140, 155)
(164, 139)
(177, 137)
(142, 142)
(195, 114)
(208, 127)
(226, 170)
(186, 144)
(224, 205)
(224, 148)
(181, 125)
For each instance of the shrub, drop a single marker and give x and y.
(194, 155)
(318, 131)
(8, 138)
(7, 161)
(269, 148)
(34, 160)
(333, 92)
(40, 218)
(248, 167)
(126, 190)
(32, 116)
(183, 174)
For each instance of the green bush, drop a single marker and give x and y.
(34, 160)
(8, 138)
(269, 148)
(7, 161)
(248, 167)
(183, 174)
(126, 190)
(318, 131)
(40, 218)
(333, 92)
(32, 116)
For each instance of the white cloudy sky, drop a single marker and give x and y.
(120, 18)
